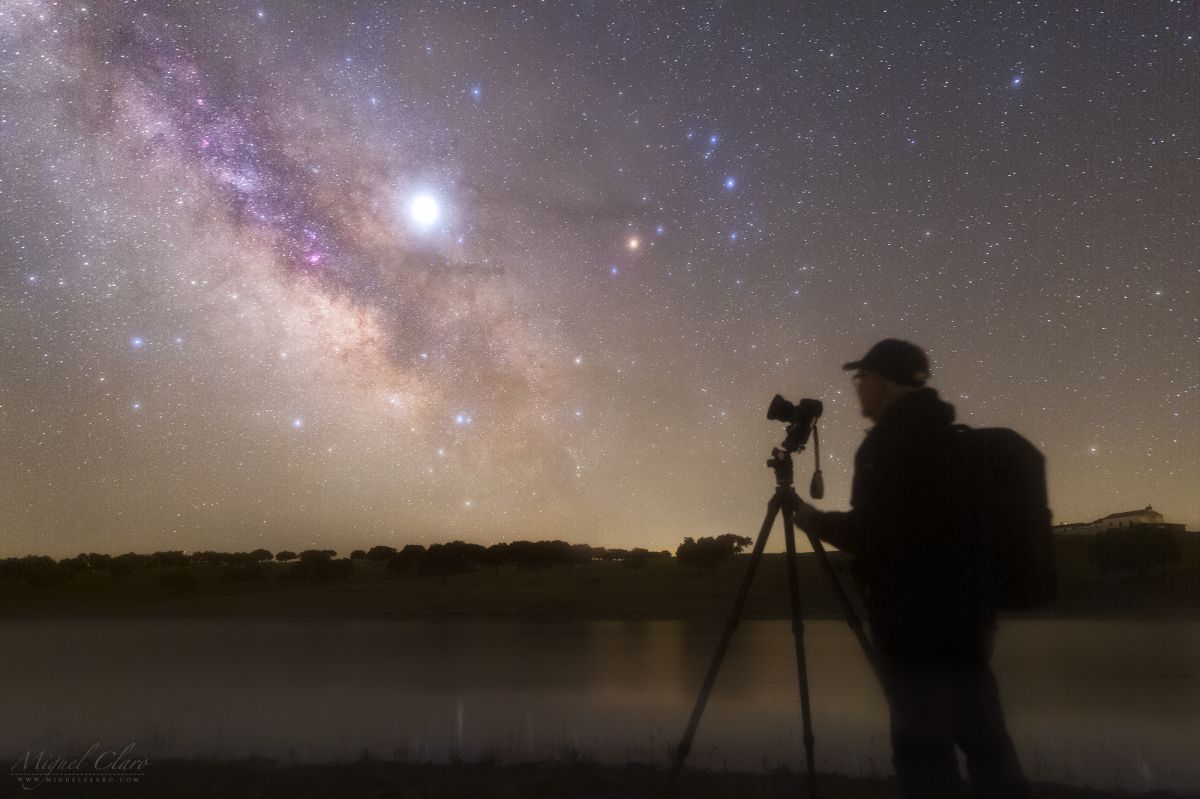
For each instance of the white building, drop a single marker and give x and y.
(1145, 516)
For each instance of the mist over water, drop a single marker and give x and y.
(1110, 704)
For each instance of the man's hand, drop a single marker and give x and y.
(804, 514)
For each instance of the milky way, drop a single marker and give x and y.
(285, 274)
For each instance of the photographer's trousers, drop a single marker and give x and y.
(941, 701)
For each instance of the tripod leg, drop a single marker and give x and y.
(685, 745)
(798, 635)
(847, 608)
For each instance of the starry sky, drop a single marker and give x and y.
(343, 274)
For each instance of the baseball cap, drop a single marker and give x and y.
(899, 361)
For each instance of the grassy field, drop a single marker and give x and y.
(662, 589)
(599, 589)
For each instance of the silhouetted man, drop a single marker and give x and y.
(931, 624)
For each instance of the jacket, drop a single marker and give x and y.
(914, 554)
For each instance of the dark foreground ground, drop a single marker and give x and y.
(375, 780)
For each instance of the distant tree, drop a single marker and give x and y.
(444, 560)
(686, 552)
(490, 558)
(358, 554)
(475, 554)
(381, 552)
(521, 554)
(496, 557)
(540, 554)
(38, 570)
(213, 558)
(122, 566)
(261, 555)
(582, 553)
(409, 557)
(285, 555)
(636, 559)
(557, 552)
(75, 565)
(173, 558)
(318, 566)
(709, 552)
(1138, 548)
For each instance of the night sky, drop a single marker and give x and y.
(343, 274)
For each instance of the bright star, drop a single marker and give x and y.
(424, 210)
(137, 342)
(297, 423)
(634, 243)
(730, 182)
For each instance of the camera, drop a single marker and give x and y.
(799, 418)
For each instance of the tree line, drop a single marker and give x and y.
(319, 565)
(1124, 549)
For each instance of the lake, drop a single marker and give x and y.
(1098, 703)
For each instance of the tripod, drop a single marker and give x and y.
(784, 500)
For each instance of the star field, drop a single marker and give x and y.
(343, 274)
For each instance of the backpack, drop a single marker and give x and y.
(1008, 516)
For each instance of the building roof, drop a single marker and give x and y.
(1147, 509)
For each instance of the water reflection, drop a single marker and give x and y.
(1099, 703)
